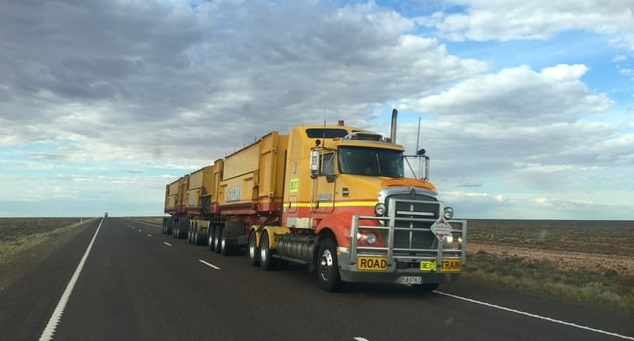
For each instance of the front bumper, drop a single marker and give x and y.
(396, 272)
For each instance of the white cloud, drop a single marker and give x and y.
(540, 19)
(92, 90)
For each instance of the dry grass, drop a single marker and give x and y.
(583, 260)
(24, 242)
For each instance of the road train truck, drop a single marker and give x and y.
(332, 197)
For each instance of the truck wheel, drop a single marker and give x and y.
(217, 239)
(328, 267)
(266, 261)
(253, 250)
(196, 238)
(225, 247)
(210, 237)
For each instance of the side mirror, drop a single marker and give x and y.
(314, 163)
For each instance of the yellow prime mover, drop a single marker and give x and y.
(332, 197)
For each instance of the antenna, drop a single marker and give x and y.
(323, 133)
(418, 136)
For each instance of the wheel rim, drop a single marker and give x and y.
(252, 250)
(216, 241)
(264, 246)
(223, 241)
(325, 265)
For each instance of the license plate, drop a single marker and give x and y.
(448, 265)
(371, 263)
(428, 265)
(451, 265)
(409, 280)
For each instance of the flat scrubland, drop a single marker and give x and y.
(581, 260)
(590, 261)
(24, 242)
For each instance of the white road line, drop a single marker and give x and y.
(49, 331)
(149, 235)
(625, 337)
(209, 264)
(166, 243)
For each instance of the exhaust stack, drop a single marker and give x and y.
(393, 127)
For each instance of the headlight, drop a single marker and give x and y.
(371, 238)
(448, 213)
(379, 209)
(367, 237)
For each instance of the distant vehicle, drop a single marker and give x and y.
(105, 215)
(332, 197)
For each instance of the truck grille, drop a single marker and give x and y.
(413, 218)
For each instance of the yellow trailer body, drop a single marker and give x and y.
(250, 180)
(200, 186)
(173, 196)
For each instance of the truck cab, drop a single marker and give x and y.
(370, 222)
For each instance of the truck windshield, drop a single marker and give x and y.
(371, 161)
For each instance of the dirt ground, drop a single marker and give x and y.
(19, 255)
(565, 260)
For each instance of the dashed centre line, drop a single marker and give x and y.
(166, 243)
(209, 264)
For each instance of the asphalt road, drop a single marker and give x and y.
(137, 284)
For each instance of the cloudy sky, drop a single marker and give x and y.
(526, 108)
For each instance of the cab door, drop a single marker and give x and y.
(323, 195)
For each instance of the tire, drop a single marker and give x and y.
(196, 239)
(225, 248)
(179, 234)
(252, 250)
(217, 239)
(267, 262)
(328, 267)
(211, 237)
